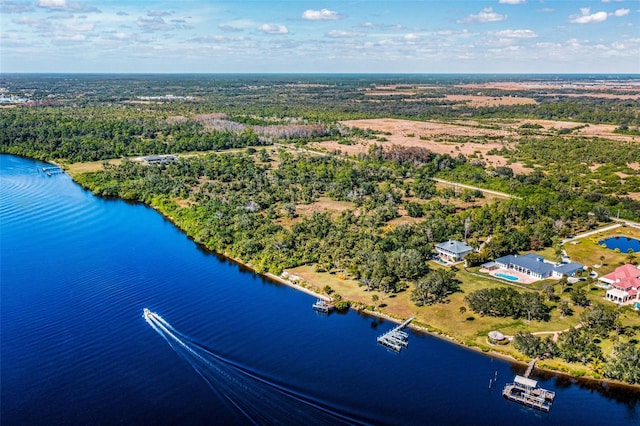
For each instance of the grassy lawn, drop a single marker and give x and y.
(469, 328)
(442, 317)
(87, 167)
(587, 250)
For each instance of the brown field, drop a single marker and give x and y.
(432, 133)
(594, 95)
(487, 101)
(623, 87)
(389, 93)
(449, 138)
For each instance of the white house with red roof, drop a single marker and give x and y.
(623, 284)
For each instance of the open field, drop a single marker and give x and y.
(587, 250)
(465, 137)
(87, 167)
(490, 101)
(612, 88)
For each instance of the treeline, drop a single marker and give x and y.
(103, 133)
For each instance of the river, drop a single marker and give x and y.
(77, 271)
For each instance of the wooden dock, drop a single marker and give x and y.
(525, 391)
(395, 339)
(49, 171)
(323, 306)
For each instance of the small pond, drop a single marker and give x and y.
(622, 243)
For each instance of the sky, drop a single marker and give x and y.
(296, 36)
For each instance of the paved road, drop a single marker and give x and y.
(488, 191)
(588, 234)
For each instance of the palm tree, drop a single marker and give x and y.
(463, 311)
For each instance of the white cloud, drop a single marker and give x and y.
(321, 15)
(547, 10)
(516, 34)
(411, 37)
(237, 25)
(154, 12)
(155, 22)
(63, 5)
(53, 4)
(586, 17)
(14, 7)
(344, 34)
(485, 15)
(273, 29)
(512, 1)
(620, 12)
(40, 24)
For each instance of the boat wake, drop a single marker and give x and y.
(256, 398)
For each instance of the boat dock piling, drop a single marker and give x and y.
(525, 391)
(395, 339)
(323, 306)
(55, 170)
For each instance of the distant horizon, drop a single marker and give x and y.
(319, 37)
(330, 73)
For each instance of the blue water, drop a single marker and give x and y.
(507, 277)
(622, 243)
(77, 271)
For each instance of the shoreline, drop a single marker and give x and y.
(382, 314)
(421, 329)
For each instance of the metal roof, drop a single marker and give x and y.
(524, 381)
(529, 261)
(568, 268)
(454, 246)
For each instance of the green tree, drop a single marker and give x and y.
(434, 287)
(577, 345)
(533, 346)
(579, 297)
(624, 363)
(374, 299)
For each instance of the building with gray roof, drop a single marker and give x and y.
(453, 250)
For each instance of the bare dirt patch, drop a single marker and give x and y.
(634, 166)
(324, 204)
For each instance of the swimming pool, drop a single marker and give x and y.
(506, 276)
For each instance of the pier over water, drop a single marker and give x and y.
(396, 338)
(49, 171)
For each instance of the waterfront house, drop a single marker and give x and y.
(623, 284)
(453, 250)
(537, 267)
